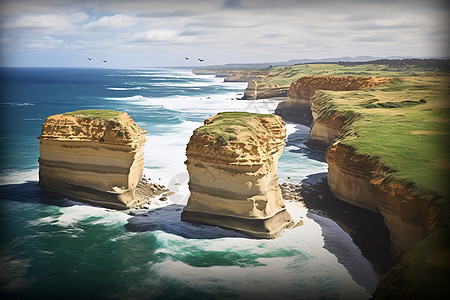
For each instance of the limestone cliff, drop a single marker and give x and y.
(258, 90)
(232, 162)
(361, 181)
(297, 107)
(95, 156)
(233, 75)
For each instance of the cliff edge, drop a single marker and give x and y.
(95, 156)
(232, 162)
(297, 108)
(386, 152)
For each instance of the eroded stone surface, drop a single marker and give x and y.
(92, 159)
(232, 164)
(297, 107)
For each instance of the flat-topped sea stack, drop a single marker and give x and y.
(297, 107)
(95, 156)
(232, 162)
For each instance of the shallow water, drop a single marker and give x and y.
(52, 247)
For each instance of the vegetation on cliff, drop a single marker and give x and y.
(227, 125)
(285, 75)
(104, 114)
(403, 126)
(404, 121)
(409, 124)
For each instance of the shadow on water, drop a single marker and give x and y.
(367, 229)
(168, 219)
(314, 178)
(346, 252)
(29, 192)
(298, 139)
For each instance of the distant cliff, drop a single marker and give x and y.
(258, 90)
(297, 107)
(233, 75)
(95, 156)
(232, 162)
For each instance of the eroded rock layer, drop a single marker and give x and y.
(257, 90)
(361, 181)
(93, 156)
(232, 162)
(297, 107)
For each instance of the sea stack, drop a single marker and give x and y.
(232, 162)
(94, 156)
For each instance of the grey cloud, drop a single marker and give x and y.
(233, 4)
(201, 6)
(378, 38)
(240, 29)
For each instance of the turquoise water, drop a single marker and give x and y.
(54, 248)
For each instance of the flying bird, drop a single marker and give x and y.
(201, 60)
(104, 61)
(89, 58)
(186, 58)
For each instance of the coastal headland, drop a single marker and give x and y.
(386, 140)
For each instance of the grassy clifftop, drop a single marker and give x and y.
(405, 125)
(96, 113)
(225, 126)
(285, 75)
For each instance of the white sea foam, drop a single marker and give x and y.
(283, 277)
(126, 89)
(17, 177)
(132, 98)
(17, 103)
(71, 216)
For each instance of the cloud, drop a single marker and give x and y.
(234, 4)
(155, 35)
(227, 30)
(44, 43)
(48, 22)
(112, 22)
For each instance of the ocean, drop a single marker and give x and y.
(52, 247)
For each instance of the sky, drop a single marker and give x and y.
(137, 33)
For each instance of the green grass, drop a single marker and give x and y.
(285, 75)
(405, 103)
(112, 115)
(387, 117)
(228, 125)
(383, 118)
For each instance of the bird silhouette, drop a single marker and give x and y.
(186, 58)
(104, 61)
(201, 60)
(89, 58)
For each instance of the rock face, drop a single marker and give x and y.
(327, 123)
(232, 162)
(324, 133)
(256, 90)
(297, 107)
(306, 86)
(251, 92)
(94, 156)
(360, 181)
(233, 75)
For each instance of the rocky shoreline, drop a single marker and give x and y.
(367, 229)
